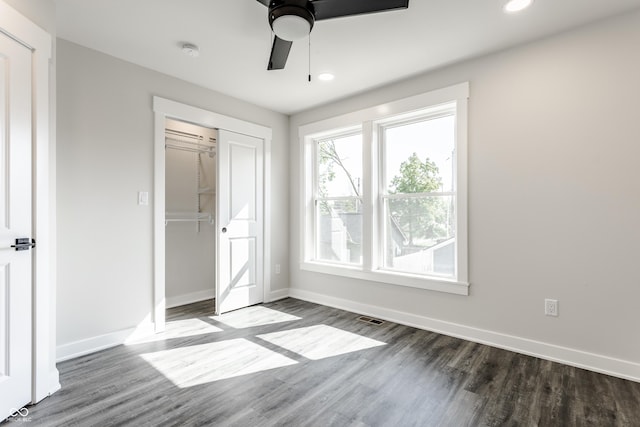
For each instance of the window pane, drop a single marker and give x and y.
(339, 231)
(420, 235)
(419, 156)
(340, 166)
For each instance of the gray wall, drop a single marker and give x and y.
(554, 193)
(553, 189)
(105, 156)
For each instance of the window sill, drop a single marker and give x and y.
(392, 278)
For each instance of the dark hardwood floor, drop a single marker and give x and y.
(293, 363)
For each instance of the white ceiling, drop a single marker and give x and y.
(362, 51)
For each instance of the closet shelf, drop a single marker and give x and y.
(197, 146)
(187, 217)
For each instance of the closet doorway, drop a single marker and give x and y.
(210, 207)
(190, 212)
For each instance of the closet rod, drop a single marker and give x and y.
(181, 143)
(168, 220)
(198, 143)
(209, 150)
(185, 135)
(187, 217)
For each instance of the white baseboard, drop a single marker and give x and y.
(568, 356)
(190, 298)
(279, 294)
(101, 342)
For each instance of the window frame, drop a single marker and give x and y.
(383, 195)
(316, 194)
(370, 122)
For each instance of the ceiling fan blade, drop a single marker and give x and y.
(264, 2)
(279, 53)
(326, 9)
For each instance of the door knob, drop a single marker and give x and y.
(224, 229)
(23, 244)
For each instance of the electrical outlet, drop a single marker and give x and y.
(551, 307)
(277, 268)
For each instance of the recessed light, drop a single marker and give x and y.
(326, 77)
(190, 50)
(513, 6)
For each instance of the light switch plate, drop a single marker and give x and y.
(143, 198)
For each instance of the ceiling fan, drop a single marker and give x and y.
(293, 19)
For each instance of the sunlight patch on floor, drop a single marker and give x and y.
(254, 316)
(205, 363)
(179, 329)
(320, 341)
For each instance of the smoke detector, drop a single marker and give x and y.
(191, 50)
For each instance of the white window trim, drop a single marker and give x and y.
(365, 119)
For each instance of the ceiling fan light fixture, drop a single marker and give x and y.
(513, 6)
(291, 27)
(290, 22)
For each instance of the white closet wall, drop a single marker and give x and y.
(190, 242)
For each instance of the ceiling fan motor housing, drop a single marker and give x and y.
(291, 10)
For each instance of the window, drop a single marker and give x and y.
(338, 200)
(418, 194)
(385, 193)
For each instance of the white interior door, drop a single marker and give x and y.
(239, 221)
(15, 222)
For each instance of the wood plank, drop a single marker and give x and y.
(417, 378)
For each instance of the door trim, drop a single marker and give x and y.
(164, 109)
(45, 375)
